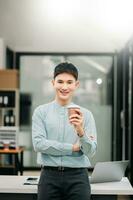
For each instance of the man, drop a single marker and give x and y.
(64, 161)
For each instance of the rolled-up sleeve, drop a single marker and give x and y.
(40, 141)
(89, 139)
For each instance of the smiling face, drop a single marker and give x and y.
(64, 84)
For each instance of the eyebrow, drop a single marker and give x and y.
(63, 80)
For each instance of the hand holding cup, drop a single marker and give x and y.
(76, 118)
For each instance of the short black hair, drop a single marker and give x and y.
(66, 67)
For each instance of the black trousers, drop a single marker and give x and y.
(71, 184)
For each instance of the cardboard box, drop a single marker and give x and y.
(9, 78)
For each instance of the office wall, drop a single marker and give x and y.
(2, 53)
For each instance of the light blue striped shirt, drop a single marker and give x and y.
(53, 136)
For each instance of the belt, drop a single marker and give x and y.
(60, 168)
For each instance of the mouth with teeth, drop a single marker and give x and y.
(64, 93)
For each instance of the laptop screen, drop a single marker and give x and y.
(108, 171)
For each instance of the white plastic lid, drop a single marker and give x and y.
(73, 106)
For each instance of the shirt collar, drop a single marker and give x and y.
(60, 106)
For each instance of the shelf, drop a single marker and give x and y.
(12, 151)
(9, 128)
(9, 89)
(8, 108)
(9, 115)
(11, 161)
(6, 166)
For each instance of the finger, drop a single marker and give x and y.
(75, 116)
(78, 111)
(75, 121)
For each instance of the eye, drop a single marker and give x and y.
(70, 82)
(60, 81)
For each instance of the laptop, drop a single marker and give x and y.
(108, 171)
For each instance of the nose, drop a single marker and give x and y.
(64, 87)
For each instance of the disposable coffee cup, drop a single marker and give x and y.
(73, 109)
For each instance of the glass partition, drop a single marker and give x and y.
(94, 93)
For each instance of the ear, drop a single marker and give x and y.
(53, 82)
(77, 84)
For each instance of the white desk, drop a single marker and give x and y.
(11, 186)
(114, 188)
